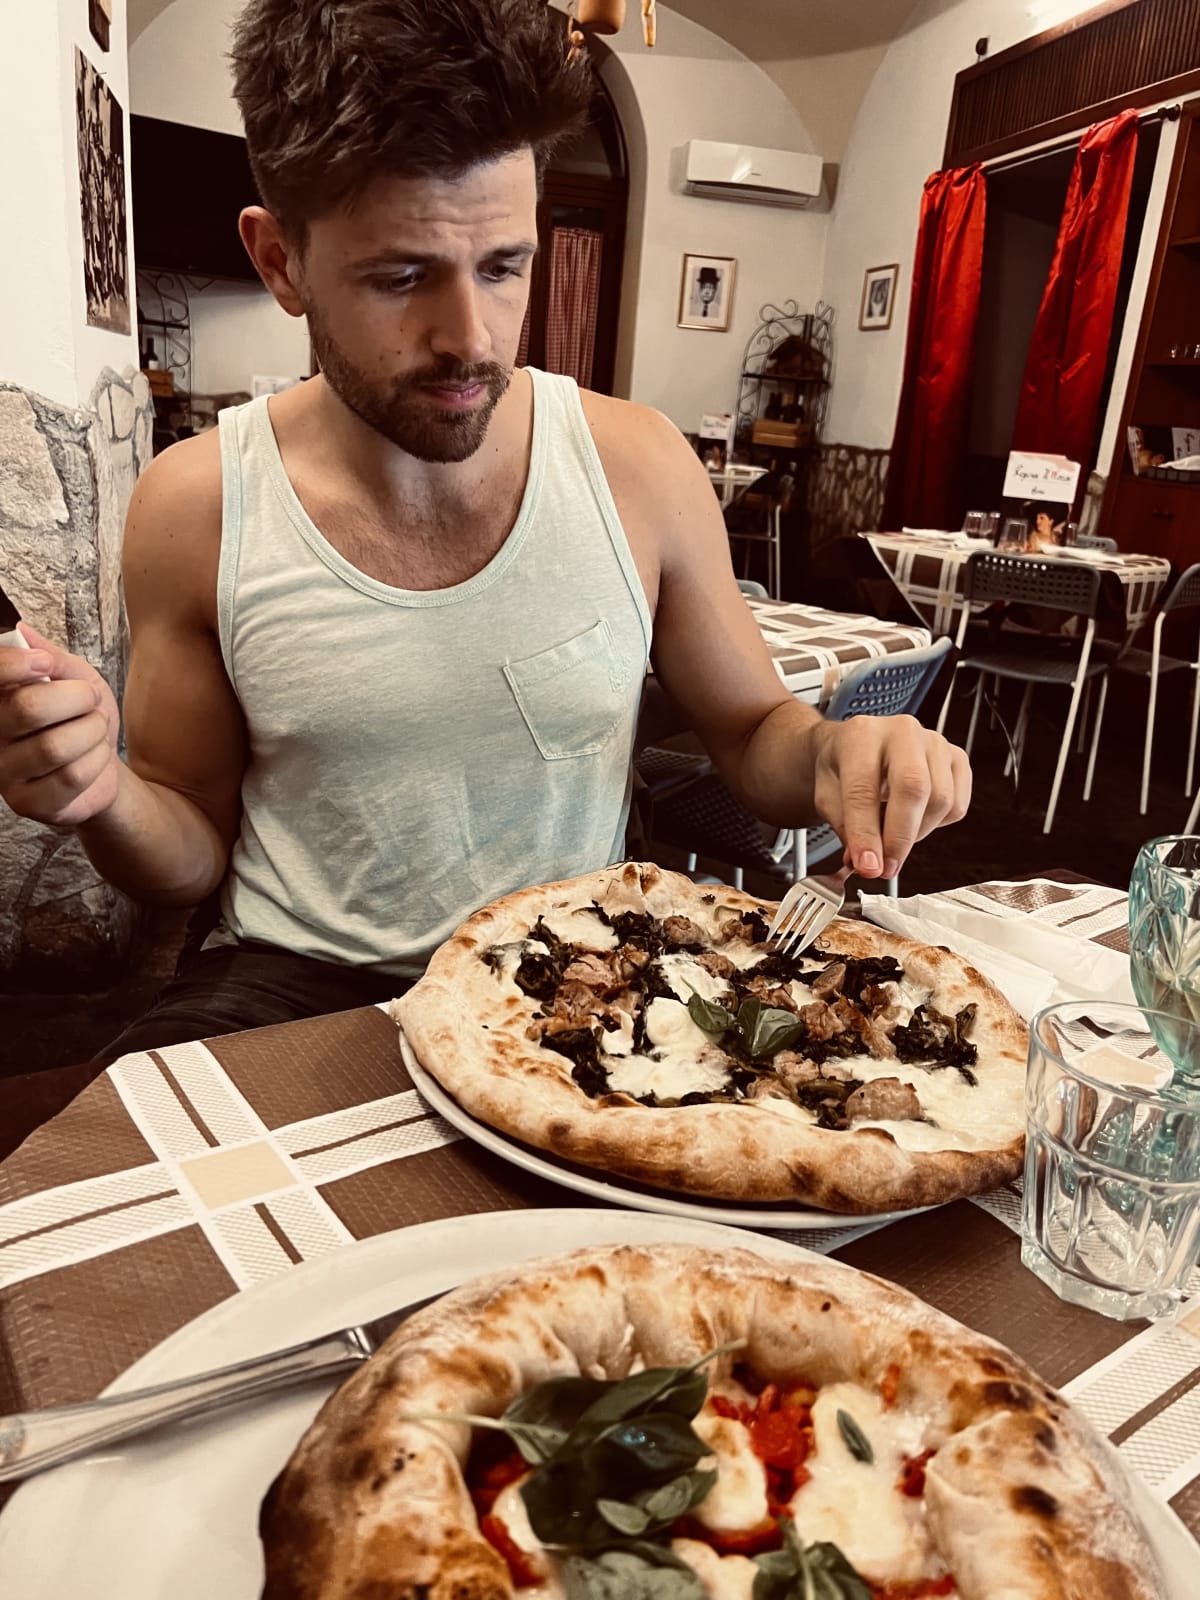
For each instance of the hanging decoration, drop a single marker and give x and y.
(608, 16)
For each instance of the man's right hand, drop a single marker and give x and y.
(58, 740)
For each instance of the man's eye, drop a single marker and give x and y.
(500, 270)
(396, 284)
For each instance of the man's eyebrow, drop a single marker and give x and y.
(423, 258)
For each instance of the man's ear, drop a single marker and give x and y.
(275, 257)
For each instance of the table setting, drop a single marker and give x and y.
(212, 1203)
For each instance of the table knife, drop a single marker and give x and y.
(32, 1441)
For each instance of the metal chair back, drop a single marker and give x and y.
(1185, 595)
(1096, 541)
(1024, 580)
(891, 687)
(752, 588)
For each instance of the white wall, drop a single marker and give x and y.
(695, 86)
(238, 331)
(45, 343)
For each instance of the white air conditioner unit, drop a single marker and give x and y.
(743, 172)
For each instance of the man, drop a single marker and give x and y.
(389, 628)
(707, 283)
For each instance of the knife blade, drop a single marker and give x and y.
(32, 1441)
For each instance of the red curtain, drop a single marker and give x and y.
(574, 300)
(925, 472)
(1068, 354)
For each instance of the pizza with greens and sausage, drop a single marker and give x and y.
(669, 1422)
(638, 1023)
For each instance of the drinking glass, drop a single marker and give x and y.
(1070, 533)
(1112, 1161)
(991, 525)
(973, 524)
(1164, 943)
(1014, 534)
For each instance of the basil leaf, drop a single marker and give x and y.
(707, 1014)
(673, 1499)
(677, 1389)
(857, 1442)
(625, 1518)
(820, 1572)
(828, 1562)
(560, 1499)
(767, 1029)
(635, 1574)
(648, 1450)
(556, 1403)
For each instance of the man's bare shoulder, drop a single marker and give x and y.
(635, 434)
(173, 529)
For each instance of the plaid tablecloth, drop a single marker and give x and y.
(928, 571)
(186, 1174)
(812, 648)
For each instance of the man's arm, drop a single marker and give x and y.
(882, 782)
(160, 827)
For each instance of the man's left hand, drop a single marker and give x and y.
(883, 783)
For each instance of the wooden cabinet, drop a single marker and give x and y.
(1157, 518)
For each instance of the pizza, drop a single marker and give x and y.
(639, 1023)
(671, 1422)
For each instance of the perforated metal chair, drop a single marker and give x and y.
(1183, 602)
(752, 588)
(696, 811)
(1062, 662)
(1096, 541)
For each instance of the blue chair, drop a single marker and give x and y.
(692, 808)
(752, 587)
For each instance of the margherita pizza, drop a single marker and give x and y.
(637, 1022)
(677, 1423)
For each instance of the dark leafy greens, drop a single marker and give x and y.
(813, 1572)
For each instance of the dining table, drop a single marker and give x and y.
(181, 1178)
(812, 648)
(928, 568)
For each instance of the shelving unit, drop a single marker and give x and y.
(1155, 515)
(802, 385)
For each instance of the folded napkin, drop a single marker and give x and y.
(1031, 964)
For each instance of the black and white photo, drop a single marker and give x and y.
(101, 128)
(878, 297)
(706, 293)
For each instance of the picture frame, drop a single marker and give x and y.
(878, 297)
(100, 21)
(706, 293)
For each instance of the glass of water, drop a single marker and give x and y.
(1164, 944)
(1112, 1161)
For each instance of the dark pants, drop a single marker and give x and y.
(248, 986)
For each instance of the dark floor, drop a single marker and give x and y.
(1001, 838)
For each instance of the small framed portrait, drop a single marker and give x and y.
(878, 296)
(706, 293)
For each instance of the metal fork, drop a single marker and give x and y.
(806, 910)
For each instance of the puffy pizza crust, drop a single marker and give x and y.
(470, 1034)
(1024, 1501)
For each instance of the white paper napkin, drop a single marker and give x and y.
(1031, 964)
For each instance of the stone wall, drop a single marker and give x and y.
(66, 475)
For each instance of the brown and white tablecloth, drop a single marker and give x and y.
(928, 571)
(812, 648)
(184, 1175)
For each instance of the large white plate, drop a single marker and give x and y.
(617, 1191)
(175, 1515)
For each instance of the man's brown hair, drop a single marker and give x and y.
(335, 93)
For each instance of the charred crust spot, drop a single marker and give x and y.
(355, 1467)
(1045, 1435)
(826, 1305)
(1028, 1497)
(993, 1368)
(1012, 1396)
(963, 1456)
(558, 1130)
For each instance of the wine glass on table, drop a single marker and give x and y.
(1164, 946)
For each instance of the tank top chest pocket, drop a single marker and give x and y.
(575, 695)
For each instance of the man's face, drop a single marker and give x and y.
(415, 298)
(708, 290)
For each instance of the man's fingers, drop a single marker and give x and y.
(45, 659)
(28, 708)
(855, 814)
(50, 796)
(28, 760)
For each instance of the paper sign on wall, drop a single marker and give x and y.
(1031, 476)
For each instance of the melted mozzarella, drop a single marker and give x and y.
(581, 926)
(856, 1504)
(674, 1074)
(779, 1105)
(685, 977)
(620, 1041)
(964, 1116)
(669, 1026)
(510, 1508)
(723, 1577)
(801, 992)
(738, 1499)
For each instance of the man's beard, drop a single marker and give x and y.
(404, 411)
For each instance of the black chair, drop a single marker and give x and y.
(1055, 587)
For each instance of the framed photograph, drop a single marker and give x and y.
(100, 125)
(100, 21)
(706, 293)
(878, 296)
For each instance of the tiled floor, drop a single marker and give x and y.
(1001, 838)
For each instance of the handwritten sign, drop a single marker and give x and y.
(1041, 477)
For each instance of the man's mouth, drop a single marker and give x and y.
(454, 396)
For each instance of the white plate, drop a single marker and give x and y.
(617, 1191)
(175, 1515)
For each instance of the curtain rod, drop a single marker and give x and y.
(1170, 113)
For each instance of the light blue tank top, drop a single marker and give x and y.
(415, 754)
